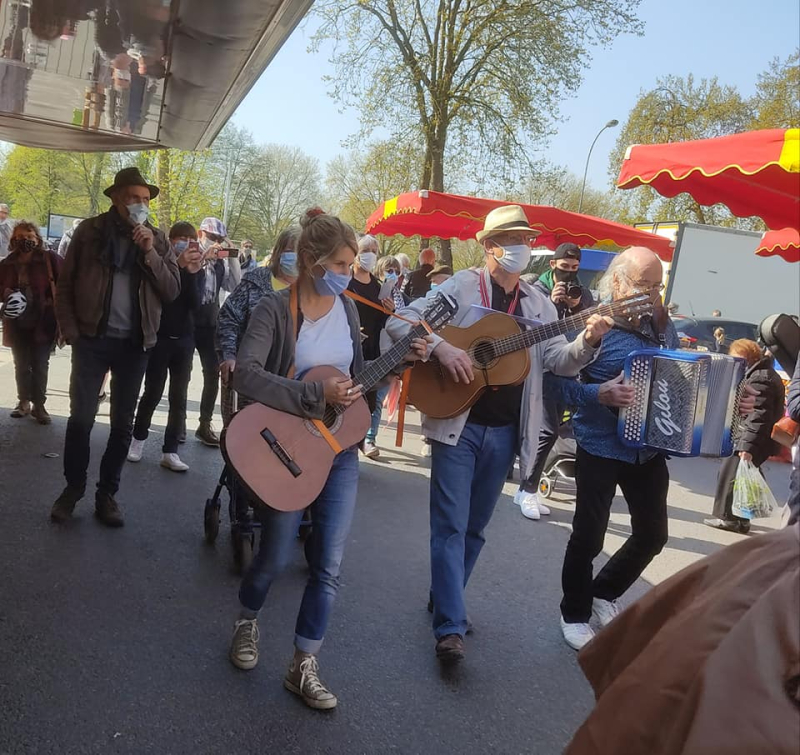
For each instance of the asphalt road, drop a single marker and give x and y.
(116, 641)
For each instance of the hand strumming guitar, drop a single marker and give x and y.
(456, 361)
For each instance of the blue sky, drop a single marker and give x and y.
(732, 39)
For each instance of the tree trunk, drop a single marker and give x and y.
(94, 190)
(162, 180)
(437, 184)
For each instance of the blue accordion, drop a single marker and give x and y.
(686, 402)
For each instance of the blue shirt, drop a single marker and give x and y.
(595, 425)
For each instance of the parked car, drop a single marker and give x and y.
(698, 332)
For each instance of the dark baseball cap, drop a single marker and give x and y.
(567, 251)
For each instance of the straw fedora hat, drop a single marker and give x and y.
(502, 219)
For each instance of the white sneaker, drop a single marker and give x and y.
(576, 635)
(605, 611)
(371, 451)
(426, 450)
(135, 450)
(173, 462)
(531, 506)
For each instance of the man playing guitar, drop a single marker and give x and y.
(471, 453)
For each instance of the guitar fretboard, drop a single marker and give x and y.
(528, 338)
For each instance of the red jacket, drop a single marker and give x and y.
(44, 330)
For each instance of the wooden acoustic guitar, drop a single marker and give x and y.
(284, 460)
(498, 348)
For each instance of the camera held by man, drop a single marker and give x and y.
(561, 283)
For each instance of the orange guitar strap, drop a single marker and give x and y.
(294, 306)
(357, 297)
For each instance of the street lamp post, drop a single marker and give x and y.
(610, 124)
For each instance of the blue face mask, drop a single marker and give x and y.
(180, 246)
(391, 276)
(331, 284)
(288, 264)
(138, 212)
(434, 286)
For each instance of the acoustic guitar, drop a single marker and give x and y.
(284, 460)
(498, 348)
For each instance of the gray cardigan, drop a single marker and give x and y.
(266, 355)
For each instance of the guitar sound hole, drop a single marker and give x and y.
(483, 354)
(330, 416)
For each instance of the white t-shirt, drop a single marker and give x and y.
(326, 341)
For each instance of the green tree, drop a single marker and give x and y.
(471, 80)
(678, 109)
(777, 98)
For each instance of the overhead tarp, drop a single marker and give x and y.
(753, 173)
(432, 213)
(133, 75)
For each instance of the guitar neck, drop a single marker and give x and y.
(528, 338)
(378, 369)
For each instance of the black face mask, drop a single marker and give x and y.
(23, 245)
(564, 276)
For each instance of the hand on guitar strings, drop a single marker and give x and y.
(456, 361)
(341, 390)
(614, 393)
(596, 327)
(419, 348)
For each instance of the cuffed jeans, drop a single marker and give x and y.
(375, 423)
(645, 489)
(31, 368)
(466, 481)
(173, 356)
(331, 516)
(91, 359)
(204, 342)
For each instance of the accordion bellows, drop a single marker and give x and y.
(686, 402)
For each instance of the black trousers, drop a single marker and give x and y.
(645, 489)
(723, 499)
(31, 368)
(173, 357)
(552, 412)
(204, 342)
(91, 359)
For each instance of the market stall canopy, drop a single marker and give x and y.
(784, 243)
(431, 213)
(120, 75)
(754, 173)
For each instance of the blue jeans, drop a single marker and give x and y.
(466, 481)
(380, 395)
(332, 515)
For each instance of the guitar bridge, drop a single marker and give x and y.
(283, 455)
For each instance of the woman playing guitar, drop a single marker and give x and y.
(291, 331)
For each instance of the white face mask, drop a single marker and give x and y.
(367, 261)
(513, 258)
(205, 244)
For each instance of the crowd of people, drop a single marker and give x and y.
(137, 303)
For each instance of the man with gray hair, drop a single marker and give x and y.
(418, 283)
(6, 229)
(603, 462)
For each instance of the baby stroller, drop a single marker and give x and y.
(243, 518)
(559, 469)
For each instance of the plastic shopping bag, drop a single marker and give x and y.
(752, 497)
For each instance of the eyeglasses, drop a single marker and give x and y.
(213, 237)
(645, 285)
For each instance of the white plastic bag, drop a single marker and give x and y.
(752, 497)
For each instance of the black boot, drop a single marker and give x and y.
(65, 504)
(107, 510)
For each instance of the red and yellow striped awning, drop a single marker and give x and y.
(754, 173)
(432, 213)
(784, 243)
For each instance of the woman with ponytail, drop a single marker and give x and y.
(278, 348)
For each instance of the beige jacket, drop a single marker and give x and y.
(557, 356)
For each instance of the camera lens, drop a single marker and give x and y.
(574, 291)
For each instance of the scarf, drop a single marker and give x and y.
(120, 251)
